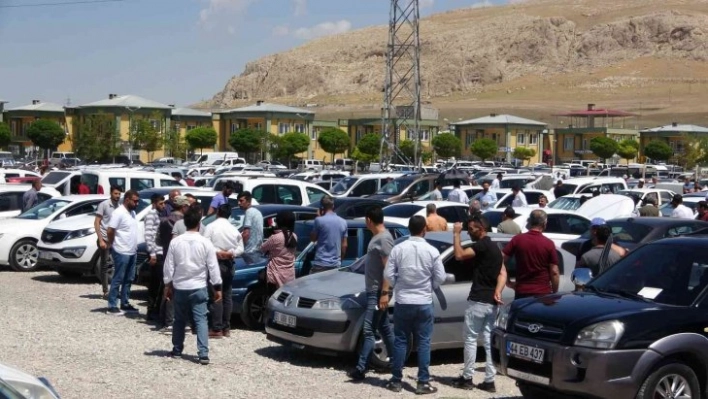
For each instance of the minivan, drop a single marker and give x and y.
(57, 157)
(586, 185)
(344, 164)
(210, 157)
(362, 185)
(100, 181)
(310, 164)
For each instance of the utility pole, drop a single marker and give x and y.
(401, 109)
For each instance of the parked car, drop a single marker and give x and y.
(635, 331)
(471, 191)
(352, 207)
(630, 233)
(586, 185)
(661, 196)
(11, 198)
(324, 312)
(19, 235)
(400, 213)
(270, 190)
(362, 185)
(691, 202)
(250, 296)
(406, 188)
(16, 384)
(506, 197)
(568, 202)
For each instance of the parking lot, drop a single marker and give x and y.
(57, 328)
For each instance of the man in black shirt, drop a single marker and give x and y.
(488, 281)
(559, 191)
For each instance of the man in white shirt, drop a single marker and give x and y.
(519, 198)
(486, 197)
(190, 261)
(414, 269)
(123, 242)
(680, 211)
(496, 183)
(457, 195)
(437, 193)
(229, 245)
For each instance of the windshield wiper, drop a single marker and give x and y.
(628, 294)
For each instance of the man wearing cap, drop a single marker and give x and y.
(595, 224)
(680, 211)
(519, 197)
(649, 208)
(508, 225)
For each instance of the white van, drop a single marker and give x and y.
(310, 164)
(362, 185)
(57, 157)
(344, 164)
(270, 190)
(210, 157)
(100, 181)
(587, 185)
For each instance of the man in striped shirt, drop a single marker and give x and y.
(152, 223)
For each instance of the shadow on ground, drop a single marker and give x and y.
(166, 353)
(57, 279)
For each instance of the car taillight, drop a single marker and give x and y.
(99, 190)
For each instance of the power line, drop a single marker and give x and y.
(66, 3)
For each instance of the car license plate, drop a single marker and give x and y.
(45, 255)
(284, 319)
(527, 377)
(525, 352)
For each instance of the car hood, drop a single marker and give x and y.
(328, 284)
(607, 206)
(18, 225)
(73, 223)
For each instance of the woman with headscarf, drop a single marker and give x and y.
(280, 248)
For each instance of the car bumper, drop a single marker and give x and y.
(56, 259)
(322, 331)
(571, 370)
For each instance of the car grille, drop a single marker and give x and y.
(546, 332)
(282, 297)
(544, 369)
(306, 303)
(53, 236)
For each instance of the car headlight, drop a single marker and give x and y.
(604, 335)
(75, 252)
(502, 317)
(343, 303)
(32, 391)
(328, 304)
(80, 233)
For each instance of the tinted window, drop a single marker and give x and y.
(494, 218)
(401, 211)
(365, 187)
(314, 194)
(450, 214)
(169, 183)
(555, 224)
(82, 209)
(679, 230)
(353, 244)
(265, 194)
(9, 202)
(289, 195)
(532, 197)
(577, 225)
(141, 184)
(460, 269)
(116, 181)
(54, 177)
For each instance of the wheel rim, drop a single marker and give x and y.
(380, 349)
(257, 308)
(26, 256)
(673, 386)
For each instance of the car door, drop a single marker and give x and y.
(556, 229)
(289, 194)
(452, 215)
(665, 197)
(364, 188)
(313, 194)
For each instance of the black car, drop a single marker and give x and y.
(632, 232)
(638, 330)
(353, 207)
(203, 197)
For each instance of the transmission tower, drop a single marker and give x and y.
(401, 109)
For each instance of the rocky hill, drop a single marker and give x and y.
(539, 49)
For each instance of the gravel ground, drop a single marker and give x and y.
(53, 327)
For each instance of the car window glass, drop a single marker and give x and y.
(8, 202)
(314, 194)
(678, 230)
(141, 184)
(117, 181)
(460, 269)
(352, 244)
(305, 216)
(627, 231)
(577, 225)
(532, 197)
(365, 187)
(401, 211)
(170, 183)
(265, 194)
(554, 224)
(450, 214)
(82, 209)
(665, 197)
(289, 195)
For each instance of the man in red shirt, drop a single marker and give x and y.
(83, 188)
(536, 260)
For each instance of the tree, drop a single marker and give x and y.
(370, 144)
(292, 143)
(407, 148)
(426, 157)
(248, 141)
(201, 137)
(447, 145)
(146, 137)
(334, 141)
(603, 147)
(95, 137)
(359, 156)
(658, 150)
(524, 153)
(46, 134)
(695, 151)
(484, 148)
(174, 144)
(5, 135)
(628, 149)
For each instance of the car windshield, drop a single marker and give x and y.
(667, 273)
(565, 203)
(401, 211)
(344, 185)
(54, 177)
(395, 187)
(625, 231)
(570, 188)
(45, 209)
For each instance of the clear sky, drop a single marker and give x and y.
(172, 51)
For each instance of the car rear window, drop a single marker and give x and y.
(401, 211)
(54, 177)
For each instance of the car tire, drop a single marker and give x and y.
(253, 308)
(379, 359)
(664, 376)
(72, 274)
(23, 256)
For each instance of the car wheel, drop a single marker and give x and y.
(673, 380)
(254, 308)
(23, 256)
(69, 273)
(380, 358)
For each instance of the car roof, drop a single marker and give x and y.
(699, 241)
(275, 208)
(83, 197)
(166, 190)
(657, 221)
(591, 179)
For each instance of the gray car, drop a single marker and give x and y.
(324, 312)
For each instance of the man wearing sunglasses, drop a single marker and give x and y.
(123, 244)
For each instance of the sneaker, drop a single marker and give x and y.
(215, 334)
(165, 329)
(487, 386)
(356, 375)
(227, 332)
(114, 312)
(394, 386)
(129, 308)
(175, 354)
(463, 383)
(425, 388)
(203, 360)
(105, 295)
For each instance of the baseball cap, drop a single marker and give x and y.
(595, 222)
(181, 200)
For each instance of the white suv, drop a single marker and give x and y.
(268, 190)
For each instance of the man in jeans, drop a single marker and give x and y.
(229, 245)
(329, 232)
(100, 224)
(414, 269)
(190, 261)
(123, 243)
(377, 291)
(488, 280)
(251, 230)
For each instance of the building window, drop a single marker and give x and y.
(533, 139)
(520, 138)
(176, 125)
(479, 133)
(259, 126)
(300, 127)
(425, 135)
(190, 127)
(568, 143)
(315, 132)
(154, 123)
(585, 144)
(283, 128)
(359, 133)
(469, 139)
(234, 127)
(494, 137)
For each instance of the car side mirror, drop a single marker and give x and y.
(449, 278)
(581, 276)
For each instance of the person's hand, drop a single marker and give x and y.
(217, 296)
(168, 292)
(457, 228)
(102, 244)
(152, 261)
(383, 302)
(498, 297)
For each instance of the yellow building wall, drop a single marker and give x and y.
(64, 147)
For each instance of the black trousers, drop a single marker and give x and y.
(156, 287)
(220, 312)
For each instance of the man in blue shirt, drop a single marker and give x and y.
(330, 234)
(486, 197)
(222, 198)
(251, 230)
